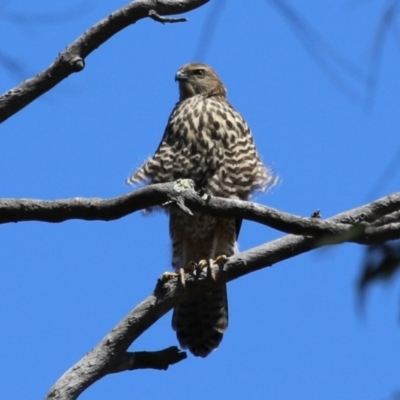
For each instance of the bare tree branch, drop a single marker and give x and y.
(363, 218)
(72, 59)
(110, 355)
(389, 219)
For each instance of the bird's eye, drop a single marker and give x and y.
(199, 72)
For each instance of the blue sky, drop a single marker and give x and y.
(295, 330)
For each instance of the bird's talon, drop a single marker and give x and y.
(210, 271)
(222, 259)
(181, 275)
(190, 267)
(166, 276)
(202, 264)
(206, 264)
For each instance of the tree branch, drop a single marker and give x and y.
(111, 354)
(72, 58)
(362, 219)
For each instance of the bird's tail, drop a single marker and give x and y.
(200, 323)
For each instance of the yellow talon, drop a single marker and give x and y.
(222, 259)
(190, 267)
(198, 267)
(166, 276)
(201, 265)
(210, 271)
(181, 275)
(210, 264)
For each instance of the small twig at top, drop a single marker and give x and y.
(163, 20)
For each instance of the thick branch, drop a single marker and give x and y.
(110, 355)
(72, 58)
(393, 217)
(349, 223)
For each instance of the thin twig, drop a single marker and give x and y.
(163, 20)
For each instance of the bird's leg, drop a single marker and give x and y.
(206, 264)
(166, 276)
(190, 267)
(220, 260)
(198, 267)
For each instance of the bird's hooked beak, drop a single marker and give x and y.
(181, 75)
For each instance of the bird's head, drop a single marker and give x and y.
(197, 78)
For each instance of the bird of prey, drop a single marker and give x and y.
(208, 141)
